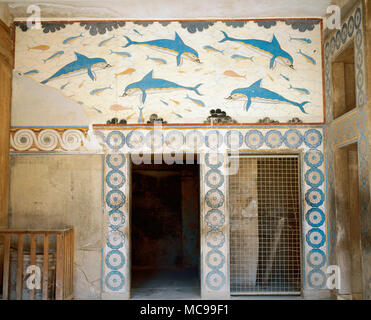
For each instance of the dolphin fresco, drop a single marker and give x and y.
(270, 48)
(81, 65)
(176, 46)
(257, 93)
(148, 83)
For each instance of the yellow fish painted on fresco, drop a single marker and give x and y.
(231, 73)
(127, 71)
(40, 47)
(130, 116)
(176, 102)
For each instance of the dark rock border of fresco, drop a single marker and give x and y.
(191, 26)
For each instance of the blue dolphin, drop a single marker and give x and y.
(176, 46)
(82, 64)
(256, 92)
(148, 83)
(272, 49)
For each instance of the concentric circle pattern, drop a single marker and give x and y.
(234, 139)
(315, 217)
(315, 238)
(312, 138)
(314, 177)
(273, 139)
(115, 140)
(215, 259)
(116, 218)
(316, 279)
(115, 239)
(215, 239)
(115, 199)
(313, 158)
(214, 198)
(215, 280)
(314, 197)
(214, 178)
(254, 139)
(194, 139)
(115, 179)
(316, 258)
(154, 139)
(293, 139)
(213, 139)
(135, 139)
(115, 161)
(115, 259)
(115, 280)
(214, 218)
(214, 160)
(174, 139)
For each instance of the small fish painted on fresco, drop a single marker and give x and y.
(164, 102)
(240, 57)
(96, 109)
(284, 77)
(137, 32)
(309, 59)
(212, 49)
(231, 73)
(103, 42)
(177, 114)
(72, 95)
(81, 84)
(95, 92)
(301, 90)
(120, 53)
(270, 78)
(195, 101)
(126, 71)
(80, 102)
(301, 39)
(65, 85)
(71, 39)
(188, 110)
(130, 116)
(181, 71)
(198, 69)
(55, 55)
(33, 71)
(42, 47)
(158, 60)
(175, 101)
(119, 107)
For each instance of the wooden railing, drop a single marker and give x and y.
(50, 252)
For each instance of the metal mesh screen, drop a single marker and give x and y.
(265, 243)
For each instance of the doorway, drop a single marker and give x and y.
(165, 231)
(347, 199)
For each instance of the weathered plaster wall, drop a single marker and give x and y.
(63, 191)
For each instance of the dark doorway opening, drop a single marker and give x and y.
(165, 231)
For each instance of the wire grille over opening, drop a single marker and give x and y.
(264, 198)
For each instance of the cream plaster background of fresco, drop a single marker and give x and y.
(216, 86)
